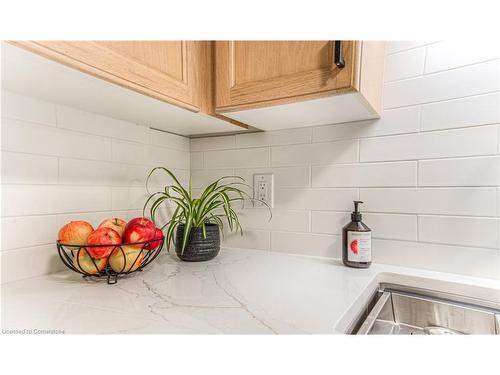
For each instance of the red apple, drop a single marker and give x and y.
(126, 259)
(75, 233)
(158, 238)
(103, 236)
(139, 229)
(114, 223)
(86, 264)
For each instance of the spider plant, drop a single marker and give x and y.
(214, 206)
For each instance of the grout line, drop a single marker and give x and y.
(56, 115)
(455, 68)
(359, 150)
(457, 128)
(418, 75)
(57, 127)
(425, 60)
(498, 140)
(419, 115)
(462, 66)
(417, 182)
(440, 100)
(417, 227)
(412, 48)
(59, 167)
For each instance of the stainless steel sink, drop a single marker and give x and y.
(402, 310)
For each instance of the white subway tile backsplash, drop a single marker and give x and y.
(31, 138)
(448, 143)
(162, 157)
(439, 201)
(438, 257)
(394, 121)
(275, 138)
(136, 153)
(321, 153)
(213, 143)
(470, 111)
(283, 220)
(28, 231)
(28, 169)
(29, 262)
(451, 84)
(283, 176)
(315, 199)
(87, 172)
(203, 178)
(196, 160)
(403, 45)
(365, 175)
(252, 239)
(498, 201)
(329, 222)
(128, 198)
(391, 226)
(453, 54)
(86, 122)
(160, 178)
(461, 231)
(313, 244)
(164, 139)
(54, 171)
(404, 64)
(252, 157)
(20, 200)
(477, 171)
(25, 108)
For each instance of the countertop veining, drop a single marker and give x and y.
(240, 291)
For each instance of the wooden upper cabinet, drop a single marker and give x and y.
(257, 73)
(166, 70)
(266, 84)
(285, 84)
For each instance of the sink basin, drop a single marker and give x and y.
(402, 310)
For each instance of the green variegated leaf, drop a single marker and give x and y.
(215, 205)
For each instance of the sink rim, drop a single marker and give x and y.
(487, 291)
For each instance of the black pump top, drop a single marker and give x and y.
(356, 215)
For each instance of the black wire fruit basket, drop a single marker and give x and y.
(114, 260)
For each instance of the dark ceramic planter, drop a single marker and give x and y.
(197, 248)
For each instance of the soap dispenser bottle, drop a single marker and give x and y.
(356, 241)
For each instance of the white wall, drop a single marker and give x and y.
(428, 170)
(60, 164)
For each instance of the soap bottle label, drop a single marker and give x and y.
(359, 246)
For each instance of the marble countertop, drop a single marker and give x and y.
(240, 291)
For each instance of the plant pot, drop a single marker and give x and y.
(197, 248)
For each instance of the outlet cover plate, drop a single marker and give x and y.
(263, 189)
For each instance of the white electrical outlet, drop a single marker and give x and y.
(263, 189)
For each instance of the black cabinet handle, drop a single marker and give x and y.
(339, 55)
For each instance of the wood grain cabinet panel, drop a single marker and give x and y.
(274, 85)
(257, 73)
(165, 70)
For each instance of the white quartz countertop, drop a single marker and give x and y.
(240, 291)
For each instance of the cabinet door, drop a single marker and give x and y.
(252, 74)
(165, 70)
